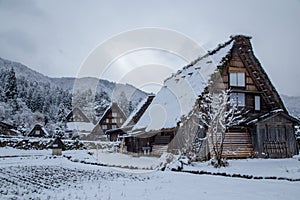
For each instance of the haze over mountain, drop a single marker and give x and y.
(293, 105)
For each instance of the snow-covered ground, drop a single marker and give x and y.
(285, 168)
(38, 175)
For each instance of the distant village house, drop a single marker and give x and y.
(78, 124)
(113, 118)
(8, 130)
(38, 131)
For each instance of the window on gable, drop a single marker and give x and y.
(113, 126)
(114, 120)
(107, 120)
(104, 127)
(237, 79)
(257, 102)
(237, 99)
(121, 120)
(114, 114)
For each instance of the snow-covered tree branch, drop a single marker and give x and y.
(217, 114)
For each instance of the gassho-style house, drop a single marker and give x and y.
(159, 123)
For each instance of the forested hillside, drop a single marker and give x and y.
(28, 97)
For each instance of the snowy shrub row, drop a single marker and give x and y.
(38, 144)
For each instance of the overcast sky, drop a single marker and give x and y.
(55, 37)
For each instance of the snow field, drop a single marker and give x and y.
(38, 175)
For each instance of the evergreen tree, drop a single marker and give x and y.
(61, 114)
(102, 101)
(123, 103)
(3, 74)
(11, 91)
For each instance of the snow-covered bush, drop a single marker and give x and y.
(219, 163)
(165, 160)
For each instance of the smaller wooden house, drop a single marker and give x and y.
(57, 147)
(273, 135)
(113, 118)
(7, 129)
(38, 131)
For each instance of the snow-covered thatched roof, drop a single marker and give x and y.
(180, 91)
(138, 111)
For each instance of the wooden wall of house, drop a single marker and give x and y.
(135, 145)
(268, 135)
(57, 151)
(112, 119)
(8, 130)
(250, 89)
(37, 131)
(274, 138)
(237, 143)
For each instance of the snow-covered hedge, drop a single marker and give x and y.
(38, 144)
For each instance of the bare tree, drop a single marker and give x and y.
(217, 115)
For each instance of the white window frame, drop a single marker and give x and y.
(114, 120)
(121, 120)
(113, 126)
(238, 98)
(237, 79)
(107, 120)
(114, 114)
(257, 103)
(104, 127)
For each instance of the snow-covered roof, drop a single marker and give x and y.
(38, 126)
(45, 131)
(136, 111)
(180, 92)
(80, 126)
(273, 113)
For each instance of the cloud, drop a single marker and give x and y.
(60, 34)
(18, 41)
(28, 7)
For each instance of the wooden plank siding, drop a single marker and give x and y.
(113, 118)
(258, 141)
(237, 144)
(274, 138)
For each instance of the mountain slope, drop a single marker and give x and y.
(23, 71)
(113, 90)
(45, 100)
(293, 105)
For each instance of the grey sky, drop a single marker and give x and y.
(55, 36)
